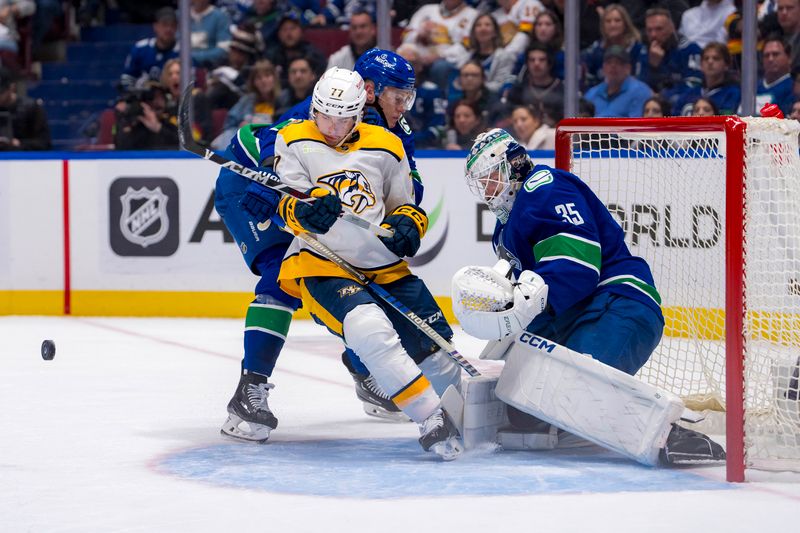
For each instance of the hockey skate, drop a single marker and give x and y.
(440, 436)
(686, 447)
(249, 417)
(375, 402)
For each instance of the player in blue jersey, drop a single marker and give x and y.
(550, 223)
(580, 285)
(242, 204)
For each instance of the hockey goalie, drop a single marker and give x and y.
(571, 311)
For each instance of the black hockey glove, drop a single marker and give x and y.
(259, 201)
(315, 217)
(409, 223)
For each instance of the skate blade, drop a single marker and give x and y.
(380, 412)
(448, 449)
(241, 430)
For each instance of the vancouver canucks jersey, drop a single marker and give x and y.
(559, 229)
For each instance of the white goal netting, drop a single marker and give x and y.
(669, 191)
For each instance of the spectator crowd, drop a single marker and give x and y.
(479, 63)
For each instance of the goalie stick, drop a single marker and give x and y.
(384, 295)
(188, 143)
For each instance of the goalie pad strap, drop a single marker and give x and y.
(588, 398)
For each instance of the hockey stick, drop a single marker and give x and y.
(188, 143)
(384, 295)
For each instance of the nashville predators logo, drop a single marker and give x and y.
(350, 290)
(352, 188)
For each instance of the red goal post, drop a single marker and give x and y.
(732, 301)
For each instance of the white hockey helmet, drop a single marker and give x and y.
(495, 168)
(339, 93)
(337, 104)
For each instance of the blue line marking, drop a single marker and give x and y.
(394, 468)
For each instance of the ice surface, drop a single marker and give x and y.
(120, 432)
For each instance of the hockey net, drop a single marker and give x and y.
(713, 205)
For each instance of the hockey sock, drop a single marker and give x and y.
(355, 365)
(266, 326)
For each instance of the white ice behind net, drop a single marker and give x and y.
(667, 191)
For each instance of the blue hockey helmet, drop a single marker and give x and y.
(386, 69)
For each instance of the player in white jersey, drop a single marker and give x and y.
(348, 164)
(516, 18)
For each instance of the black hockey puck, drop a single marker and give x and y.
(48, 350)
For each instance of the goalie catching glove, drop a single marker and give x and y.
(490, 307)
(409, 224)
(315, 217)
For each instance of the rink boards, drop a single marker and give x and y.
(136, 234)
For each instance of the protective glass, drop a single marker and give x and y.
(395, 98)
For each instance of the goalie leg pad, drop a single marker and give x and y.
(368, 331)
(588, 398)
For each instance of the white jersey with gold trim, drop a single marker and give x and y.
(371, 176)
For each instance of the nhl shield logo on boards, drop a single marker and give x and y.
(146, 223)
(143, 216)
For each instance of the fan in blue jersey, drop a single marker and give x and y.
(148, 56)
(242, 204)
(577, 282)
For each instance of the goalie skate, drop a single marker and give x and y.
(249, 416)
(440, 436)
(687, 447)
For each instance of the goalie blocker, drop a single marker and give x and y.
(584, 397)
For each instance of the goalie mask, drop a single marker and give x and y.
(336, 104)
(495, 168)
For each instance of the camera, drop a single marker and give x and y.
(134, 98)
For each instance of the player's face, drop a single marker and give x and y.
(333, 129)
(394, 102)
(492, 185)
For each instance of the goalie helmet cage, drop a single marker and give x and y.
(713, 205)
